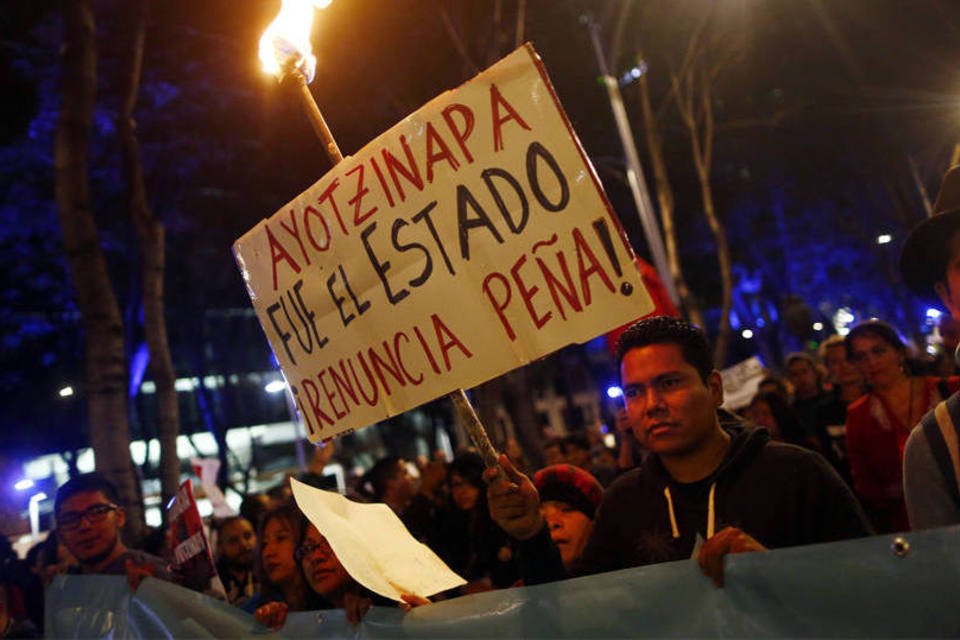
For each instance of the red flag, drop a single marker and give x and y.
(662, 304)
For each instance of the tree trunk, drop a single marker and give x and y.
(666, 204)
(152, 241)
(519, 403)
(703, 159)
(694, 91)
(105, 362)
(723, 257)
(488, 397)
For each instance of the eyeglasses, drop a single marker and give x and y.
(307, 550)
(94, 515)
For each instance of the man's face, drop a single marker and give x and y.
(949, 327)
(803, 377)
(770, 387)
(553, 455)
(89, 525)
(402, 485)
(841, 370)
(949, 289)
(569, 529)
(578, 457)
(760, 413)
(672, 411)
(237, 542)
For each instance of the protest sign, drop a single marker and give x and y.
(374, 546)
(468, 240)
(740, 383)
(192, 556)
(206, 469)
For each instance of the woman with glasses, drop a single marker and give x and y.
(879, 422)
(326, 577)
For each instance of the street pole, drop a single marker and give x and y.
(635, 179)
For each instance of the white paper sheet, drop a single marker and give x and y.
(374, 546)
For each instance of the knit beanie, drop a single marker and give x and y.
(569, 484)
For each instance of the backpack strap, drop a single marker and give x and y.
(943, 434)
(944, 388)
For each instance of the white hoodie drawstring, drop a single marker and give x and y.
(673, 518)
(711, 512)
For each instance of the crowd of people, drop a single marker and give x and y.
(851, 441)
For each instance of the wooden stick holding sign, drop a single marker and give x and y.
(471, 238)
(292, 72)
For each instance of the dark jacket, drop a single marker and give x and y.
(472, 545)
(780, 494)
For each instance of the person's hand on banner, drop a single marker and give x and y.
(411, 601)
(513, 501)
(727, 541)
(356, 606)
(136, 573)
(272, 615)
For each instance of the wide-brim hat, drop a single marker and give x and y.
(926, 251)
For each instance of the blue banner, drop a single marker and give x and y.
(873, 587)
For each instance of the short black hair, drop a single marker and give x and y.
(576, 441)
(86, 482)
(381, 473)
(219, 524)
(469, 466)
(689, 338)
(553, 442)
(253, 506)
(777, 382)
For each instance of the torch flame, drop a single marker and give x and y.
(288, 36)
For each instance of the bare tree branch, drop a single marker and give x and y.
(458, 42)
(521, 22)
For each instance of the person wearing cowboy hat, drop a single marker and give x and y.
(930, 260)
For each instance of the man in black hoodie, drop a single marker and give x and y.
(726, 484)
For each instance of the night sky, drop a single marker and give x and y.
(820, 118)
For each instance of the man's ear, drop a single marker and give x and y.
(121, 517)
(715, 384)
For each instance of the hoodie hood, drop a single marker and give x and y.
(746, 442)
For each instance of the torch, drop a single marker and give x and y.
(286, 53)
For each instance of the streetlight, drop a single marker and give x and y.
(635, 179)
(34, 510)
(884, 238)
(275, 386)
(65, 392)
